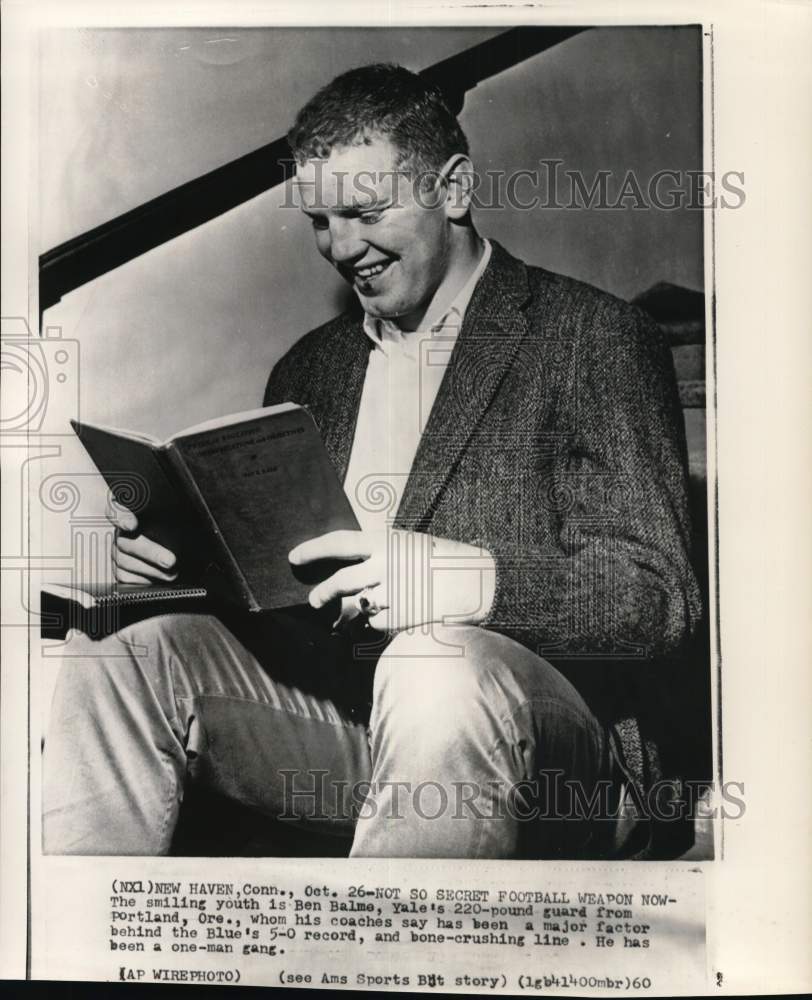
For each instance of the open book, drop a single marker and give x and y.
(230, 497)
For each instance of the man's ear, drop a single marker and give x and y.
(460, 178)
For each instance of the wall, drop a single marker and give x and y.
(191, 329)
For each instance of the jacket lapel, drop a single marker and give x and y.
(492, 330)
(338, 398)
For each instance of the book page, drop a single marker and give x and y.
(130, 435)
(216, 423)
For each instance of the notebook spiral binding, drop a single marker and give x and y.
(142, 597)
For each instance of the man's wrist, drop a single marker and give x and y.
(463, 582)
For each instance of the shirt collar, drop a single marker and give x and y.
(385, 333)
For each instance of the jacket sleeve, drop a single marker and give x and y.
(613, 578)
(284, 382)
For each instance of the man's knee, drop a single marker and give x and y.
(443, 685)
(425, 669)
(475, 684)
(462, 662)
(96, 673)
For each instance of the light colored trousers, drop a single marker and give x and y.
(432, 748)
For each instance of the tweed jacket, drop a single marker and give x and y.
(556, 441)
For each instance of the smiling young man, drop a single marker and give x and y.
(510, 442)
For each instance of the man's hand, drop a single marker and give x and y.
(136, 558)
(413, 577)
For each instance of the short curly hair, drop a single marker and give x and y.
(381, 99)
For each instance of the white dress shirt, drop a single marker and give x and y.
(403, 376)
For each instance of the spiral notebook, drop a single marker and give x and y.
(103, 610)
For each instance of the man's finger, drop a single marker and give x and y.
(349, 580)
(131, 564)
(333, 545)
(384, 621)
(122, 576)
(147, 551)
(123, 518)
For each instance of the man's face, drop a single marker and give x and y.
(383, 236)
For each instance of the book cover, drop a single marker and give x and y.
(231, 498)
